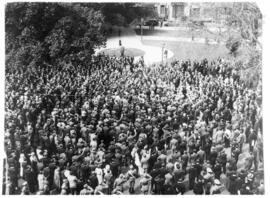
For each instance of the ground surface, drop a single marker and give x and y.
(180, 42)
(129, 39)
(128, 52)
(175, 33)
(191, 50)
(178, 47)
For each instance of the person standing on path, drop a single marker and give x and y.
(119, 32)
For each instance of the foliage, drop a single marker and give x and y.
(245, 18)
(50, 32)
(252, 69)
(233, 44)
(125, 13)
(244, 27)
(118, 19)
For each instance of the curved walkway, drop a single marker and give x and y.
(129, 39)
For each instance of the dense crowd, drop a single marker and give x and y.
(120, 127)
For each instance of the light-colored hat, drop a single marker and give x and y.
(209, 170)
(217, 182)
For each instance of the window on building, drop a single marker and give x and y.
(162, 10)
(196, 12)
(178, 11)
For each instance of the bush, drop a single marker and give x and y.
(233, 44)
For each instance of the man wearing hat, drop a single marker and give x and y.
(213, 156)
(192, 175)
(87, 190)
(198, 187)
(131, 174)
(233, 187)
(145, 159)
(73, 183)
(201, 155)
(179, 176)
(252, 139)
(119, 182)
(241, 140)
(222, 159)
(216, 188)
(25, 189)
(64, 187)
(93, 180)
(217, 169)
(184, 159)
(30, 178)
(108, 178)
(144, 183)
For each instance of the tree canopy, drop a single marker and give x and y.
(51, 33)
(245, 19)
(125, 13)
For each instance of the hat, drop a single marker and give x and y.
(61, 125)
(217, 182)
(250, 176)
(209, 170)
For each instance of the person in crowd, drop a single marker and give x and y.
(145, 183)
(106, 126)
(132, 174)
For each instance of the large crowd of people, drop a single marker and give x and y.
(118, 126)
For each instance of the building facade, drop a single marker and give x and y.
(177, 11)
(172, 11)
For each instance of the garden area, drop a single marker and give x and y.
(192, 51)
(185, 32)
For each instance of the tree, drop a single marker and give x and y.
(233, 45)
(242, 32)
(51, 32)
(125, 13)
(245, 18)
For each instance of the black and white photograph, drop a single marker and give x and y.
(133, 98)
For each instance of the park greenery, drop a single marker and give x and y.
(245, 19)
(241, 31)
(50, 33)
(63, 33)
(124, 13)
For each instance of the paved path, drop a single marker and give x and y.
(129, 39)
(166, 28)
(153, 54)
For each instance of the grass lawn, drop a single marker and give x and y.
(175, 33)
(192, 51)
(128, 52)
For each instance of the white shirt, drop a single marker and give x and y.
(72, 181)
